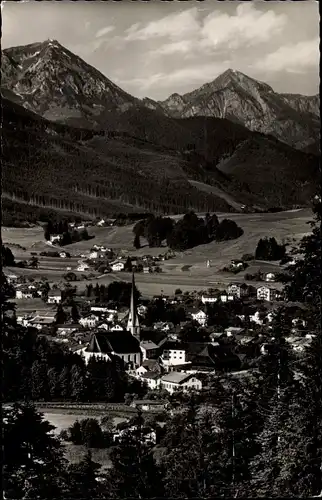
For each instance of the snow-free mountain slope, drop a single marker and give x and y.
(291, 118)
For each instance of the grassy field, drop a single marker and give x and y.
(188, 270)
(73, 453)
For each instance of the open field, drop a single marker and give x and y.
(188, 270)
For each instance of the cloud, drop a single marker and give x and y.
(174, 26)
(295, 58)
(195, 75)
(249, 26)
(104, 31)
(181, 47)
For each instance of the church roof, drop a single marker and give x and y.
(120, 342)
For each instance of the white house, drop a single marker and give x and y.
(225, 297)
(89, 321)
(206, 299)
(63, 255)
(117, 266)
(101, 223)
(117, 328)
(176, 381)
(174, 354)
(40, 322)
(266, 293)
(11, 278)
(54, 296)
(238, 289)
(82, 267)
(152, 379)
(270, 277)
(55, 238)
(199, 316)
(23, 294)
(93, 255)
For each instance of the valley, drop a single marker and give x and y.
(187, 270)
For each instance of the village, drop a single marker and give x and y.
(212, 331)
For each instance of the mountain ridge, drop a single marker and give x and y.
(135, 144)
(291, 118)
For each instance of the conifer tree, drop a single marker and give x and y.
(33, 464)
(134, 472)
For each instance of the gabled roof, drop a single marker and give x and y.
(151, 375)
(148, 345)
(120, 342)
(155, 336)
(151, 365)
(177, 377)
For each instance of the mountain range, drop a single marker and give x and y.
(71, 134)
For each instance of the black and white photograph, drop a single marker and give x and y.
(161, 249)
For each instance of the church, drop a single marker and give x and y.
(122, 343)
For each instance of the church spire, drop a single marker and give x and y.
(133, 324)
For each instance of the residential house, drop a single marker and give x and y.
(54, 296)
(237, 264)
(146, 269)
(63, 255)
(238, 290)
(158, 337)
(199, 315)
(109, 344)
(55, 238)
(93, 255)
(165, 326)
(232, 330)
(208, 299)
(152, 379)
(201, 357)
(173, 354)
(67, 329)
(225, 297)
(40, 321)
(82, 267)
(89, 321)
(149, 349)
(266, 293)
(149, 365)
(23, 293)
(178, 381)
(149, 404)
(117, 327)
(117, 265)
(11, 278)
(270, 277)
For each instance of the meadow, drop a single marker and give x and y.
(187, 271)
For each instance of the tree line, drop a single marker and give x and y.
(187, 232)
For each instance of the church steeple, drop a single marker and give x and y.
(133, 324)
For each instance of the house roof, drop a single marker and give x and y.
(120, 342)
(151, 375)
(176, 377)
(148, 345)
(174, 345)
(234, 329)
(151, 364)
(155, 336)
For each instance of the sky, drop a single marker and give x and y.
(155, 48)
